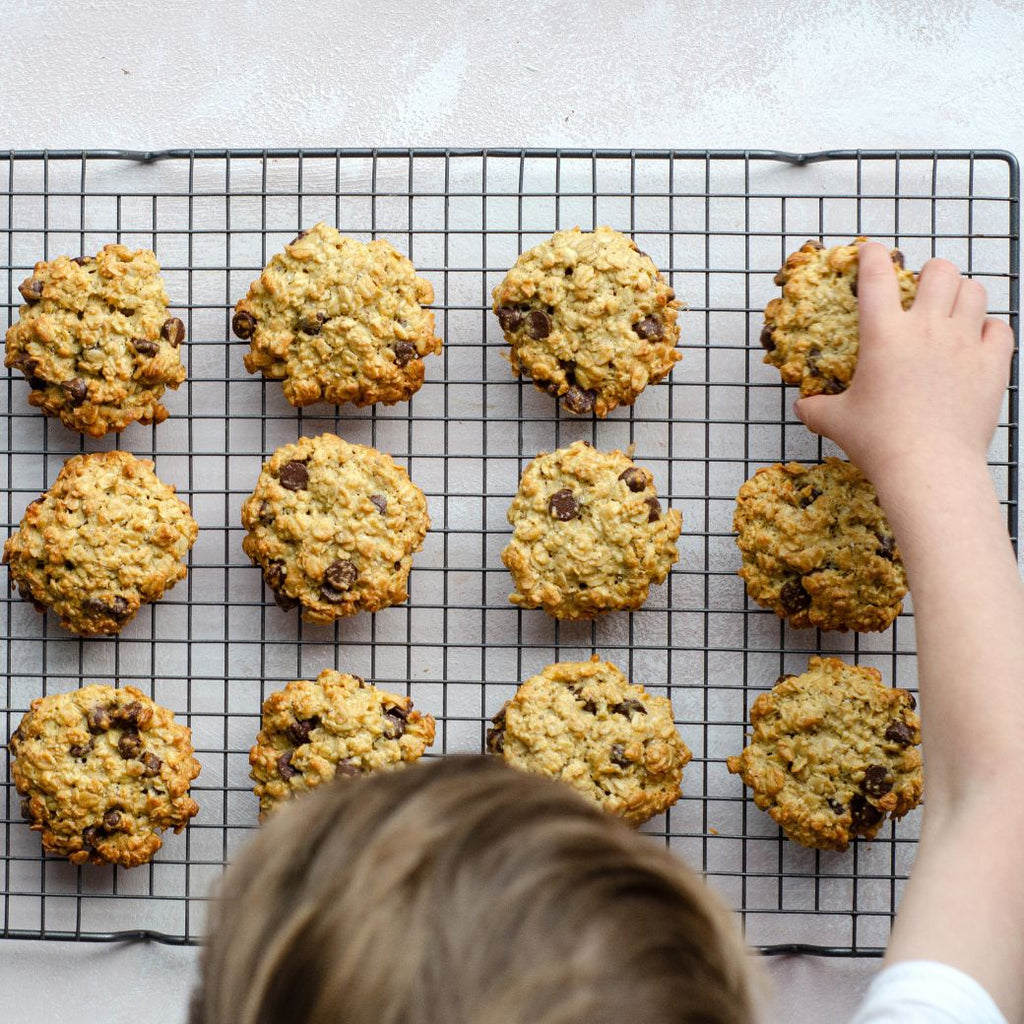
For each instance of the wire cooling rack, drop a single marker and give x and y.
(719, 224)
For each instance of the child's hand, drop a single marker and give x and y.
(929, 381)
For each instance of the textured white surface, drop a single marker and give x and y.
(129, 74)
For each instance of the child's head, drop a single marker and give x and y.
(464, 891)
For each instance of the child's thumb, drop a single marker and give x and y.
(816, 413)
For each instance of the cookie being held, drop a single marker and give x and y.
(589, 318)
(335, 726)
(106, 538)
(103, 772)
(95, 341)
(812, 332)
(817, 548)
(833, 754)
(587, 725)
(338, 320)
(333, 526)
(589, 534)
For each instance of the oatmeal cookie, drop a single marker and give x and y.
(333, 525)
(812, 332)
(103, 772)
(95, 341)
(833, 753)
(589, 318)
(583, 722)
(335, 726)
(337, 320)
(106, 538)
(817, 548)
(589, 534)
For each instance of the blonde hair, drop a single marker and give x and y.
(464, 892)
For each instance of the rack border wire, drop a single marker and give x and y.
(711, 228)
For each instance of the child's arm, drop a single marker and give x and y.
(917, 420)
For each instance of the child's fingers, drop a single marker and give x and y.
(971, 302)
(816, 412)
(937, 288)
(878, 292)
(997, 337)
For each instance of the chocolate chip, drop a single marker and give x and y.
(300, 729)
(899, 732)
(284, 766)
(650, 328)
(876, 781)
(80, 750)
(814, 243)
(31, 289)
(285, 602)
(853, 285)
(37, 383)
(76, 391)
(634, 478)
(865, 815)
(338, 579)
(654, 509)
(243, 324)
(116, 608)
(618, 756)
(145, 347)
(767, 341)
(562, 505)
(302, 234)
(347, 766)
(510, 318)
(897, 258)
(119, 609)
(128, 715)
(173, 331)
(311, 324)
(82, 261)
(833, 386)
(266, 512)
(394, 722)
(836, 806)
(813, 355)
(578, 400)
(783, 678)
(92, 835)
(810, 497)
(912, 699)
(125, 311)
(886, 547)
(405, 352)
(98, 718)
(294, 476)
(129, 745)
(380, 503)
(152, 765)
(628, 707)
(275, 574)
(794, 598)
(111, 820)
(495, 740)
(538, 324)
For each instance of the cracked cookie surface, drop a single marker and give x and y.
(334, 525)
(106, 538)
(587, 725)
(589, 534)
(95, 341)
(812, 332)
(338, 320)
(334, 726)
(589, 318)
(833, 754)
(817, 548)
(103, 772)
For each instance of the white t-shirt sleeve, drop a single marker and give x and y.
(925, 992)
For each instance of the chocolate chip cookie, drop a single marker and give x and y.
(337, 320)
(103, 772)
(333, 525)
(589, 318)
(583, 722)
(589, 534)
(336, 726)
(106, 538)
(95, 341)
(812, 332)
(817, 548)
(833, 754)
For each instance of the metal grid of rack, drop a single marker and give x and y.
(718, 224)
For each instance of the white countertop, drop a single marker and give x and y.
(759, 75)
